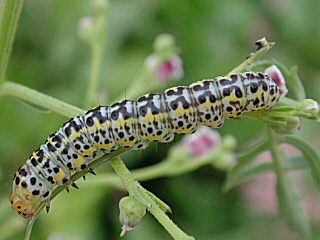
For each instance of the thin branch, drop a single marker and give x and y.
(140, 194)
(37, 98)
(263, 47)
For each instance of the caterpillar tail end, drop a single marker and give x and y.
(22, 208)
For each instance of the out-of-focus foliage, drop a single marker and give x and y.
(213, 36)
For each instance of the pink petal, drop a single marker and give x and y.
(275, 73)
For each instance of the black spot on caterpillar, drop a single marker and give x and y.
(135, 124)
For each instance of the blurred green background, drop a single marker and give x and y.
(213, 37)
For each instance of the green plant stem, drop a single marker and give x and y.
(252, 58)
(293, 163)
(95, 163)
(288, 200)
(172, 166)
(127, 178)
(165, 169)
(9, 16)
(141, 195)
(97, 50)
(32, 96)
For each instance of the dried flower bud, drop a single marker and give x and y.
(275, 73)
(205, 139)
(131, 213)
(86, 28)
(262, 42)
(310, 107)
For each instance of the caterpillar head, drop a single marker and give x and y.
(27, 189)
(24, 209)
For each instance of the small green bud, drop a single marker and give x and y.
(229, 142)
(131, 213)
(101, 6)
(225, 161)
(310, 107)
(164, 43)
(86, 29)
(293, 125)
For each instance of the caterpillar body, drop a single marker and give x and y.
(135, 124)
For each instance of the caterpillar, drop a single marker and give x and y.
(135, 124)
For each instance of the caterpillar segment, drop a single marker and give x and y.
(135, 124)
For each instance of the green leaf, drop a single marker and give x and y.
(292, 80)
(288, 198)
(244, 159)
(290, 206)
(293, 163)
(296, 84)
(282, 109)
(311, 154)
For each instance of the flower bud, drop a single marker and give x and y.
(277, 76)
(293, 125)
(101, 6)
(225, 161)
(164, 43)
(229, 142)
(86, 28)
(310, 107)
(164, 64)
(131, 213)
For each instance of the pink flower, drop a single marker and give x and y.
(277, 76)
(165, 70)
(202, 141)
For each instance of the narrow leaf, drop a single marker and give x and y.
(288, 199)
(293, 163)
(244, 159)
(311, 154)
(292, 80)
(290, 205)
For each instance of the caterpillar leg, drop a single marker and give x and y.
(72, 184)
(90, 170)
(140, 146)
(168, 138)
(48, 204)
